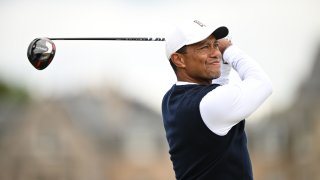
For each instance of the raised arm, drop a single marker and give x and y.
(225, 106)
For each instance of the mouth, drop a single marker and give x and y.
(214, 63)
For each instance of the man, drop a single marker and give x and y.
(204, 121)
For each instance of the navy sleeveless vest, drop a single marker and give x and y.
(195, 151)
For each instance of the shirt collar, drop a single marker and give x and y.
(179, 83)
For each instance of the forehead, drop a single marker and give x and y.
(209, 40)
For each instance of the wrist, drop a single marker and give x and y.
(230, 53)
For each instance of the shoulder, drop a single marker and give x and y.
(188, 93)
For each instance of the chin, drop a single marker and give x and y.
(216, 75)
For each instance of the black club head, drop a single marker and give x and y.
(41, 52)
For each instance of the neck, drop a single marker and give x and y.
(190, 80)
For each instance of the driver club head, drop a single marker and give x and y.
(41, 52)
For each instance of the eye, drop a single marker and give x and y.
(216, 44)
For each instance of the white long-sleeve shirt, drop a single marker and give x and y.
(227, 105)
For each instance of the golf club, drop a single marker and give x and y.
(42, 50)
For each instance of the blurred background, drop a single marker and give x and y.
(95, 112)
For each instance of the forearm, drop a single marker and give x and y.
(246, 67)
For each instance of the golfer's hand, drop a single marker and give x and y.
(224, 44)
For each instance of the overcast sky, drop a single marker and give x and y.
(282, 35)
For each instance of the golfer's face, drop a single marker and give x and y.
(202, 61)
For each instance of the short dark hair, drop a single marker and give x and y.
(182, 50)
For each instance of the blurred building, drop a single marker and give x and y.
(286, 146)
(96, 135)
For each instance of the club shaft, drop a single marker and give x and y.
(113, 39)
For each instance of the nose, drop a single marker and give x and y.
(214, 51)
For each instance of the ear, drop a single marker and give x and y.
(178, 60)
